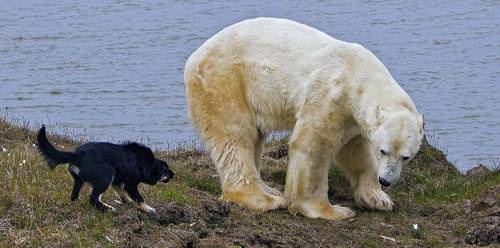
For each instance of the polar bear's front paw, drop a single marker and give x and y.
(374, 199)
(322, 209)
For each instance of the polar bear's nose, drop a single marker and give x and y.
(384, 182)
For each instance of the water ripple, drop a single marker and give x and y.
(114, 69)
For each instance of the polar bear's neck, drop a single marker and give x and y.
(387, 95)
(370, 86)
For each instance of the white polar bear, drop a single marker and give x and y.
(341, 103)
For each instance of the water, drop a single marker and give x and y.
(113, 69)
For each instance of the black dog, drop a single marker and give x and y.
(103, 164)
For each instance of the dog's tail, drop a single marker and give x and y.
(50, 153)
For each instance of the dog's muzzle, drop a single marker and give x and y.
(166, 178)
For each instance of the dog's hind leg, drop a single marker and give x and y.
(78, 183)
(95, 198)
(100, 179)
(122, 194)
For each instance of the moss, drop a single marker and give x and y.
(370, 243)
(35, 209)
(203, 184)
(177, 193)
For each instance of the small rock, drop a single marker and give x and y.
(489, 199)
(479, 169)
(486, 233)
(385, 224)
(466, 206)
(138, 230)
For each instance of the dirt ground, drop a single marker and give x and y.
(448, 208)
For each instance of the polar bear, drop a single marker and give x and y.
(340, 102)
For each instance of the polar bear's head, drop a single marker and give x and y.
(395, 142)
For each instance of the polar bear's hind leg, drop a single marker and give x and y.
(259, 146)
(221, 115)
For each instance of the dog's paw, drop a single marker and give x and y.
(108, 207)
(146, 208)
(374, 199)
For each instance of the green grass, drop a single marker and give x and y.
(204, 184)
(35, 209)
(178, 193)
(456, 188)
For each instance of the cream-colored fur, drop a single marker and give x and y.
(341, 103)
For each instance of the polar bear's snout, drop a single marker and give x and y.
(384, 182)
(389, 174)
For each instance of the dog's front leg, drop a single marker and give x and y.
(133, 192)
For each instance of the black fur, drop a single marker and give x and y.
(103, 164)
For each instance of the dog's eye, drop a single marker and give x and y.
(405, 158)
(383, 152)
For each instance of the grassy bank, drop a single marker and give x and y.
(449, 208)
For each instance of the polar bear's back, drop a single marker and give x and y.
(271, 66)
(279, 57)
(268, 41)
(268, 33)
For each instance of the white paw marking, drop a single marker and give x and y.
(146, 208)
(74, 169)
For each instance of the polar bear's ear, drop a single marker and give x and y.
(421, 121)
(380, 114)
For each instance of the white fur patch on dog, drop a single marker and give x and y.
(146, 208)
(74, 169)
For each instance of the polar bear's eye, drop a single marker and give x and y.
(383, 152)
(405, 158)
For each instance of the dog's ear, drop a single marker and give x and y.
(147, 155)
(149, 158)
(143, 152)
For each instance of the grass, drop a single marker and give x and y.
(35, 210)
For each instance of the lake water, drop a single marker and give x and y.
(113, 69)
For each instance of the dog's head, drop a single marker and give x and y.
(153, 170)
(162, 171)
(158, 171)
